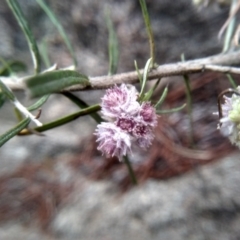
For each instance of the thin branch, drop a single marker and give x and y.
(218, 63)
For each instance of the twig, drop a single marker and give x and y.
(218, 63)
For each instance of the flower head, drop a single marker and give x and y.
(148, 114)
(143, 135)
(120, 101)
(129, 122)
(112, 140)
(229, 124)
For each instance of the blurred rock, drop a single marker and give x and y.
(15, 231)
(201, 205)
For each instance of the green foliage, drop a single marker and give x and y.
(148, 95)
(7, 91)
(149, 30)
(13, 4)
(171, 110)
(231, 27)
(112, 46)
(231, 80)
(144, 78)
(14, 131)
(39, 103)
(80, 103)
(54, 81)
(12, 66)
(138, 73)
(59, 27)
(64, 120)
(162, 98)
(43, 46)
(2, 98)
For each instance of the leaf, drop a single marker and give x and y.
(54, 81)
(145, 76)
(149, 30)
(162, 98)
(39, 103)
(14, 131)
(7, 91)
(59, 27)
(112, 46)
(138, 72)
(172, 110)
(149, 94)
(231, 80)
(2, 98)
(11, 66)
(79, 102)
(16, 66)
(44, 53)
(64, 120)
(16, 9)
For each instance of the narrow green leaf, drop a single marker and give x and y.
(138, 73)
(82, 105)
(171, 110)
(2, 98)
(14, 131)
(149, 30)
(7, 91)
(12, 66)
(54, 81)
(162, 98)
(231, 26)
(16, 9)
(44, 53)
(63, 120)
(39, 103)
(112, 46)
(145, 76)
(149, 94)
(231, 80)
(6, 68)
(59, 27)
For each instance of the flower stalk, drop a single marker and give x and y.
(130, 170)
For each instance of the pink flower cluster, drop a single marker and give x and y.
(128, 122)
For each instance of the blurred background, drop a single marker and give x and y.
(58, 186)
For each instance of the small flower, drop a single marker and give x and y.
(143, 135)
(126, 123)
(112, 140)
(230, 122)
(120, 101)
(148, 114)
